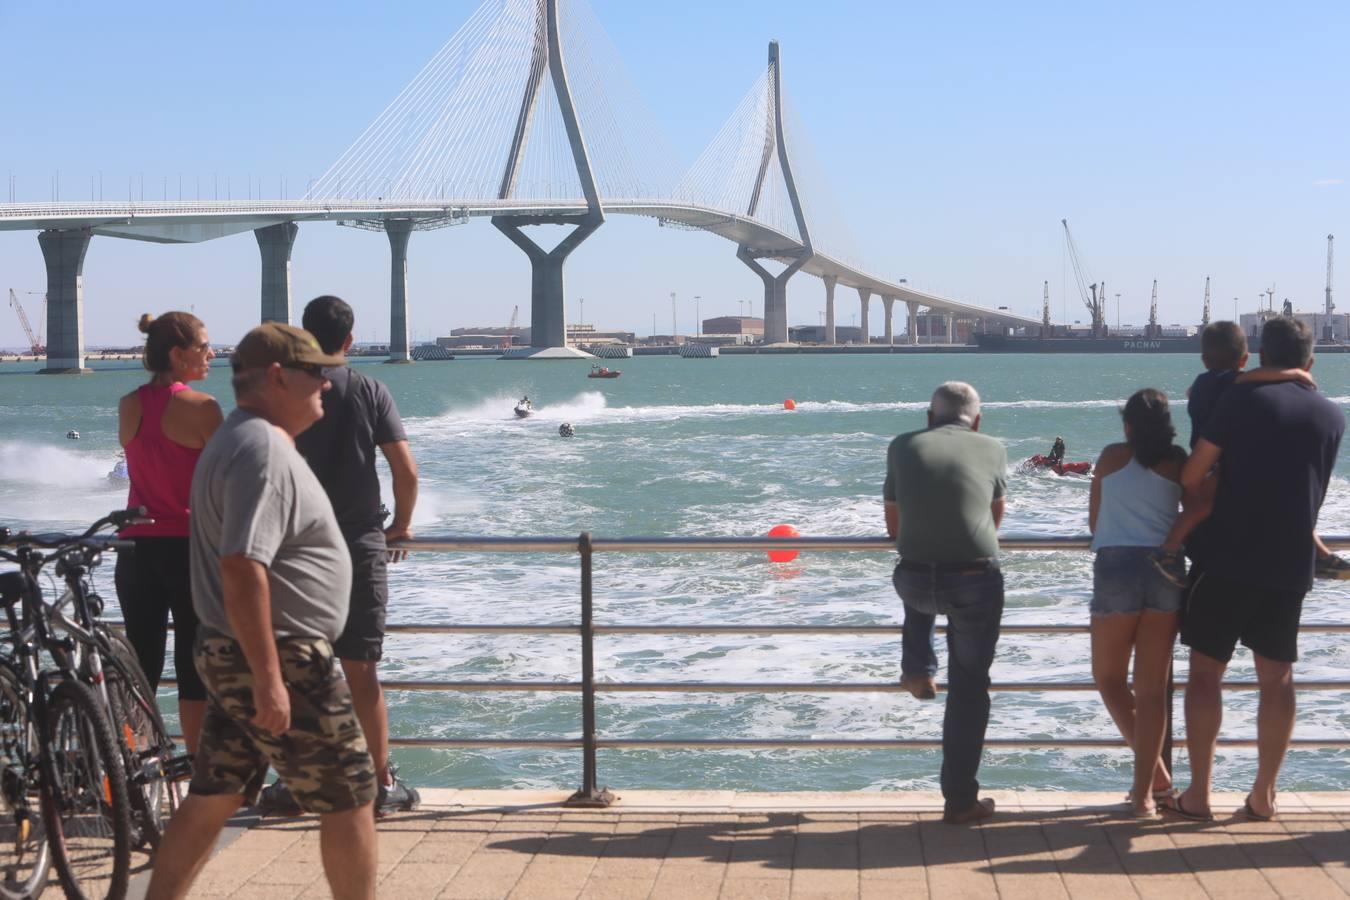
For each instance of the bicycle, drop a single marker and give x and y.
(83, 772)
(107, 662)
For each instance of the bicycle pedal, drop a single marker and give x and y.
(178, 768)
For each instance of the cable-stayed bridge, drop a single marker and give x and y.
(526, 118)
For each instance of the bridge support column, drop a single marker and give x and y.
(399, 230)
(830, 282)
(864, 296)
(775, 294)
(951, 328)
(889, 304)
(548, 327)
(275, 243)
(63, 252)
(913, 320)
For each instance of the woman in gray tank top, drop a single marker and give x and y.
(1136, 492)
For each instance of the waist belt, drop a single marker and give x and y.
(964, 567)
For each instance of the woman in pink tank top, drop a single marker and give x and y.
(163, 426)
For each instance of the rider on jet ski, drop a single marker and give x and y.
(1057, 451)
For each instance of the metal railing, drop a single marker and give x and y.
(586, 547)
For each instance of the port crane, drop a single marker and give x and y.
(35, 344)
(511, 329)
(1154, 329)
(1204, 315)
(1045, 308)
(1094, 295)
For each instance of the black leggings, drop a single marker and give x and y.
(152, 581)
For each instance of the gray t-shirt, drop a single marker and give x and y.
(945, 480)
(253, 495)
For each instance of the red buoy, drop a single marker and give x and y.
(789, 403)
(783, 531)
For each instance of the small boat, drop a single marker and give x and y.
(72, 435)
(524, 408)
(599, 371)
(1040, 461)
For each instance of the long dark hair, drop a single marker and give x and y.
(1150, 422)
(163, 333)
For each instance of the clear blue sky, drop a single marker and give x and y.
(1180, 140)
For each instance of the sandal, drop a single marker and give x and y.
(1176, 809)
(1255, 816)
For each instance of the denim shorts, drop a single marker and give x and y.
(1124, 582)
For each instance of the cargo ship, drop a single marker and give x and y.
(1015, 343)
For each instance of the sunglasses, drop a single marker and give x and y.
(313, 369)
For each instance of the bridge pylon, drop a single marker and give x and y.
(775, 286)
(548, 326)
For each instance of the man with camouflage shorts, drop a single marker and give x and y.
(270, 583)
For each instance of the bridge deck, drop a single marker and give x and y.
(686, 845)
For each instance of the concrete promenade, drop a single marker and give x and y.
(723, 844)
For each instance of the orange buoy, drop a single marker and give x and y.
(789, 403)
(783, 531)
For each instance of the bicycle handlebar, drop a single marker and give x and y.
(119, 519)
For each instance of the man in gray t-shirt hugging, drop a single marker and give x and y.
(270, 584)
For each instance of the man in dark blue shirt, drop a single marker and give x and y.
(359, 416)
(1278, 442)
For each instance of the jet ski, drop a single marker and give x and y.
(119, 473)
(1040, 461)
(524, 409)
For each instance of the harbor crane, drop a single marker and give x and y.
(35, 344)
(1204, 314)
(1093, 295)
(1154, 330)
(1045, 308)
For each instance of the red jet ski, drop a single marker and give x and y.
(1059, 468)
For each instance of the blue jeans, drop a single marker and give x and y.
(973, 605)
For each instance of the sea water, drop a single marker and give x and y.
(681, 447)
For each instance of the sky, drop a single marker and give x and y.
(1179, 140)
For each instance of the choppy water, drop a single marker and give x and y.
(697, 447)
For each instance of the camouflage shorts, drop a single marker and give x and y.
(323, 758)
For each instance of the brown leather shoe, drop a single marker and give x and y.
(921, 686)
(982, 809)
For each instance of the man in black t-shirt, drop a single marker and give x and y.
(359, 415)
(1278, 441)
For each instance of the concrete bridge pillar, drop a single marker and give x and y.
(864, 295)
(548, 326)
(275, 243)
(951, 328)
(775, 294)
(830, 282)
(63, 252)
(889, 304)
(399, 230)
(913, 320)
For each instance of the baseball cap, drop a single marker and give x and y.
(278, 342)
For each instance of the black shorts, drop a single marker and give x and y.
(1218, 613)
(362, 638)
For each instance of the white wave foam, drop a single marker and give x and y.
(48, 465)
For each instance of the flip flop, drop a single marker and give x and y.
(1176, 809)
(1255, 816)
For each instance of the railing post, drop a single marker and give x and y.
(590, 795)
(1167, 733)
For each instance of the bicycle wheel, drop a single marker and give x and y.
(87, 810)
(25, 857)
(144, 742)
